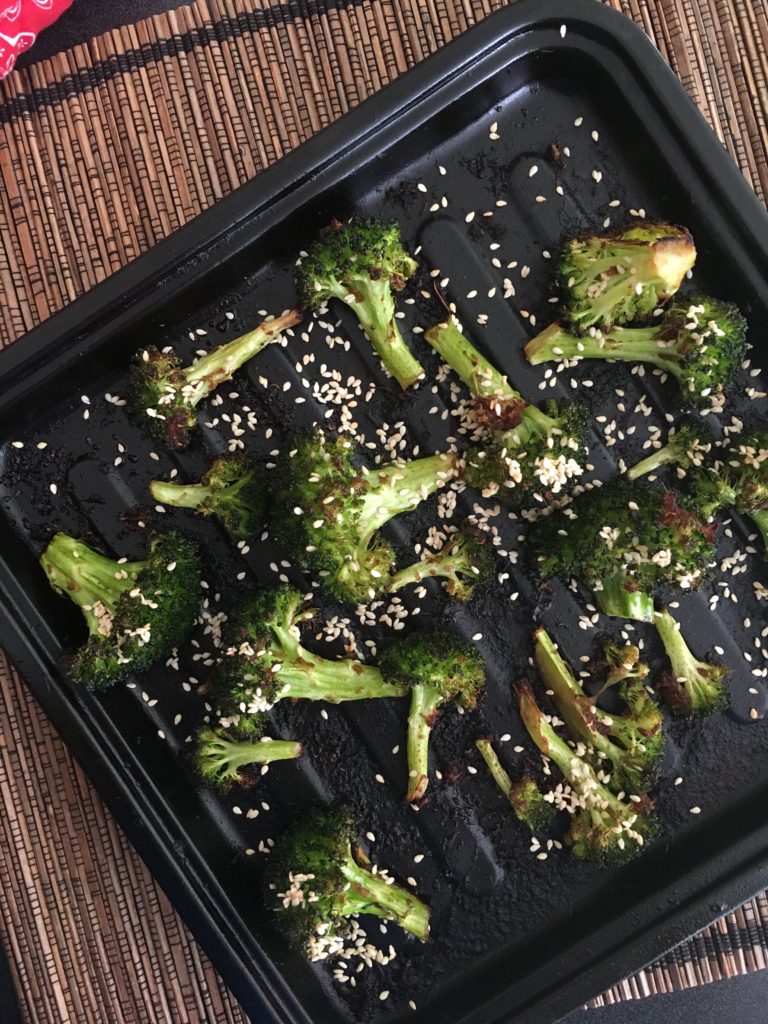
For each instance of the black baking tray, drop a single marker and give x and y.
(515, 938)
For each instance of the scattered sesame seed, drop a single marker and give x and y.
(695, 810)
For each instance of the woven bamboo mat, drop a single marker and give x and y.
(106, 149)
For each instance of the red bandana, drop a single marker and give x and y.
(20, 23)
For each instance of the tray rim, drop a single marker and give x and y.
(139, 807)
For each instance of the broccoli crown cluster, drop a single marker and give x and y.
(624, 748)
(532, 463)
(348, 255)
(317, 880)
(259, 641)
(522, 454)
(329, 511)
(304, 874)
(438, 660)
(232, 489)
(622, 276)
(137, 612)
(235, 493)
(225, 757)
(629, 533)
(161, 399)
(464, 562)
(318, 499)
(692, 687)
(701, 341)
(605, 826)
(737, 477)
(163, 394)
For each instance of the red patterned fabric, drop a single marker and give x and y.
(20, 23)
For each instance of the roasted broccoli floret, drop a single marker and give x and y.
(318, 881)
(164, 395)
(605, 828)
(528, 802)
(625, 541)
(263, 661)
(685, 447)
(623, 276)
(526, 456)
(362, 263)
(625, 749)
(693, 687)
(232, 489)
(438, 668)
(698, 340)
(136, 612)
(327, 512)
(223, 756)
(463, 563)
(737, 477)
(622, 663)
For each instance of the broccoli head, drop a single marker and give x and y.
(698, 340)
(223, 757)
(528, 802)
(685, 448)
(363, 263)
(463, 563)
(136, 612)
(625, 749)
(525, 456)
(621, 663)
(605, 828)
(318, 880)
(328, 512)
(693, 687)
(232, 489)
(624, 541)
(164, 394)
(738, 477)
(263, 661)
(622, 276)
(438, 668)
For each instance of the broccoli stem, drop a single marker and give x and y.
(495, 767)
(425, 703)
(700, 682)
(179, 495)
(579, 773)
(225, 754)
(628, 344)
(401, 487)
(760, 519)
(206, 373)
(372, 894)
(88, 578)
(480, 376)
(374, 305)
(311, 678)
(617, 599)
(449, 564)
(484, 380)
(579, 713)
(666, 456)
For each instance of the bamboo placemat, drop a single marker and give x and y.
(106, 149)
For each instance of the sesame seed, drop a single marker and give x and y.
(695, 810)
